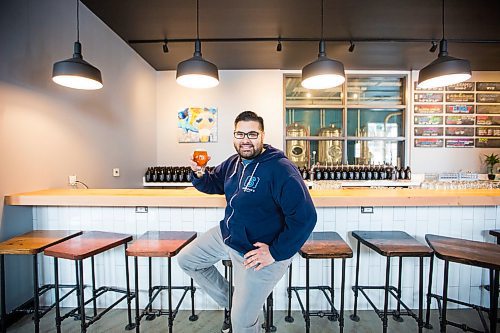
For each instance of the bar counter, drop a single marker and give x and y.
(190, 197)
(467, 214)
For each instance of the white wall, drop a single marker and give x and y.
(260, 91)
(48, 132)
(432, 160)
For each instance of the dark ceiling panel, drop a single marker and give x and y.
(344, 20)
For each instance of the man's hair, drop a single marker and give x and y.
(249, 116)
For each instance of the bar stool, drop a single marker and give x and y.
(391, 244)
(321, 245)
(89, 244)
(267, 308)
(32, 243)
(159, 244)
(472, 253)
(496, 233)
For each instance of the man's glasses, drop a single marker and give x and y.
(251, 135)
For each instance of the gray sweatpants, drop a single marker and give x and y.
(251, 287)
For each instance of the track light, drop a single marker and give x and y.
(445, 70)
(196, 72)
(433, 47)
(75, 72)
(165, 46)
(352, 46)
(324, 72)
(279, 47)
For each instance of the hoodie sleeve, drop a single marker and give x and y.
(212, 182)
(300, 218)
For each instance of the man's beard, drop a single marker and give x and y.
(249, 152)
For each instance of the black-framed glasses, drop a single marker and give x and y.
(252, 135)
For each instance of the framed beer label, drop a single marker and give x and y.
(429, 131)
(428, 97)
(415, 87)
(488, 131)
(428, 143)
(459, 97)
(463, 86)
(487, 143)
(459, 109)
(428, 120)
(460, 120)
(488, 98)
(459, 131)
(460, 143)
(488, 86)
(428, 108)
(488, 120)
(488, 109)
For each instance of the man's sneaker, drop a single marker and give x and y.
(226, 326)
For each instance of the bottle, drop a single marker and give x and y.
(326, 173)
(375, 172)
(356, 172)
(318, 174)
(338, 173)
(332, 173)
(362, 172)
(305, 173)
(343, 171)
(147, 175)
(369, 173)
(394, 173)
(401, 173)
(408, 173)
(350, 172)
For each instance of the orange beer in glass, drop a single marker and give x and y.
(200, 156)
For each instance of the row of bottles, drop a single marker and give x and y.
(168, 174)
(356, 172)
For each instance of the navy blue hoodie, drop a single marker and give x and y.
(267, 202)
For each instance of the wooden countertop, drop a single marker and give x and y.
(190, 197)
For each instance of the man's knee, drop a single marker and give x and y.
(184, 260)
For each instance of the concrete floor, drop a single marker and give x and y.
(210, 322)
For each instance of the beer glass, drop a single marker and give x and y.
(200, 156)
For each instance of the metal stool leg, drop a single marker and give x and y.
(397, 317)
(429, 291)
(306, 314)
(136, 279)
(421, 296)
(56, 290)
(342, 291)
(36, 301)
(2, 290)
(77, 283)
(130, 325)
(354, 316)
(150, 317)
(494, 303)
(445, 295)
(332, 290)
(193, 316)
(289, 318)
(169, 276)
(386, 294)
(94, 301)
(82, 297)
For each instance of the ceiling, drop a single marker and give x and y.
(363, 21)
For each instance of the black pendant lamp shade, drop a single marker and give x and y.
(77, 73)
(324, 72)
(197, 72)
(445, 70)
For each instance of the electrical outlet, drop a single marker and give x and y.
(116, 172)
(366, 210)
(72, 180)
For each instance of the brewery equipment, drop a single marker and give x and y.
(330, 151)
(297, 150)
(361, 150)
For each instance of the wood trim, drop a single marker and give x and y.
(190, 197)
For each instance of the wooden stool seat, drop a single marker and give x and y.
(463, 251)
(87, 245)
(392, 243)
(472, 253)
(35, 241)
(325, 245)
(496, 233)
(160, 243)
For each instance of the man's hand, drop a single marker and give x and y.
(258, 258)
(194, 166)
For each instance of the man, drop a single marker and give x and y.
(268, 217)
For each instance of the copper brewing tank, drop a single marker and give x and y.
(297, 151)
(330, 151)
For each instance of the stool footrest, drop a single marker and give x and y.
(157, 290)
(479, 309)
(393, 293)
(335, 314)
(98, 292)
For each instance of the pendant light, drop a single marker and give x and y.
(445, 70)
(75, 72)
(324, 72)
(196, 72)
